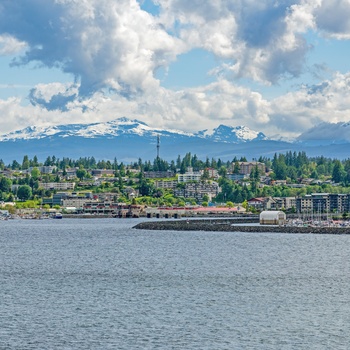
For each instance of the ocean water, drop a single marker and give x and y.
(99, 284)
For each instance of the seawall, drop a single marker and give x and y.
(225, 225)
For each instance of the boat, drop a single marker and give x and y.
(58, 216)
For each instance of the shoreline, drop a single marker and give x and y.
(225, 225)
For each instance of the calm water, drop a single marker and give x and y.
(98, 284)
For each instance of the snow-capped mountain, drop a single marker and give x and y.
(124, 126)
(327, 133)
(224, 133)
(127, 140)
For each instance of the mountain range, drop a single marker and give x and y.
(128, 140)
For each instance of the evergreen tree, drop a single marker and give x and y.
(205, 175)
(178, 162)
(48, 161)
(339, 173)
(25, 163)
(35, 161)
(236, 168)
(222, 171)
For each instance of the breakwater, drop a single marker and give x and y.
(225, 225)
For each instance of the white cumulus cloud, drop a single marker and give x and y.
(114, 48)
(103, 43)
(10, 45)
(333, 18)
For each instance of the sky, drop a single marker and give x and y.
(280, 67)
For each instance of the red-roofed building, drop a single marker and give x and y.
(262, 203)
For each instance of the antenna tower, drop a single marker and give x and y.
(158, 146)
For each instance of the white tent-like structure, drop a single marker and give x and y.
(272, 217)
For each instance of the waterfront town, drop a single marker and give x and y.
(291, 182)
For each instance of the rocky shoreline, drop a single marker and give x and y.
(225, 225)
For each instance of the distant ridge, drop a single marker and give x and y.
(122, 126)
(326, 133)
(236, 134)
(127, 140)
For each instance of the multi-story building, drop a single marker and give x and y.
(320, 202)
(339, 203)
(323, 202)
(71, 173)
(61, 186)
(237, 177)
(112, 209)
(213, 173)
(247, 167)
(102, 172)
(304, 204)
(56, 199)
(75, 202)
(189, 176)
(262, 203)
(272, 203)
(346, 204)
(165, 184)
(285, 202)
(105, 196)
(96, 207)
(44, 169)
(198, 189)
(158, 174)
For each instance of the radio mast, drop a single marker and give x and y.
(158, 146)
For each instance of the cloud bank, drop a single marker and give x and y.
(113, 49)
(218, 103)
(102, 43)
(117, 45)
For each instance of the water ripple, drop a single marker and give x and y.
(99, 284)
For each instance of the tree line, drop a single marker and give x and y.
(290, 166)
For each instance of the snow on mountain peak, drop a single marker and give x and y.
(232, 134)
(31, 132)
(125, 126)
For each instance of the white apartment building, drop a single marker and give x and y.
(61, 186)
(189, 176)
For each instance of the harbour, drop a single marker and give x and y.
(100, 284)
(232, 225)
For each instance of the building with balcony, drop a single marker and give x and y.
(158, 174)
(323, 202)
(60, 186)
(189, 176)
(198, 189)
(247, 167)
(165, 184)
